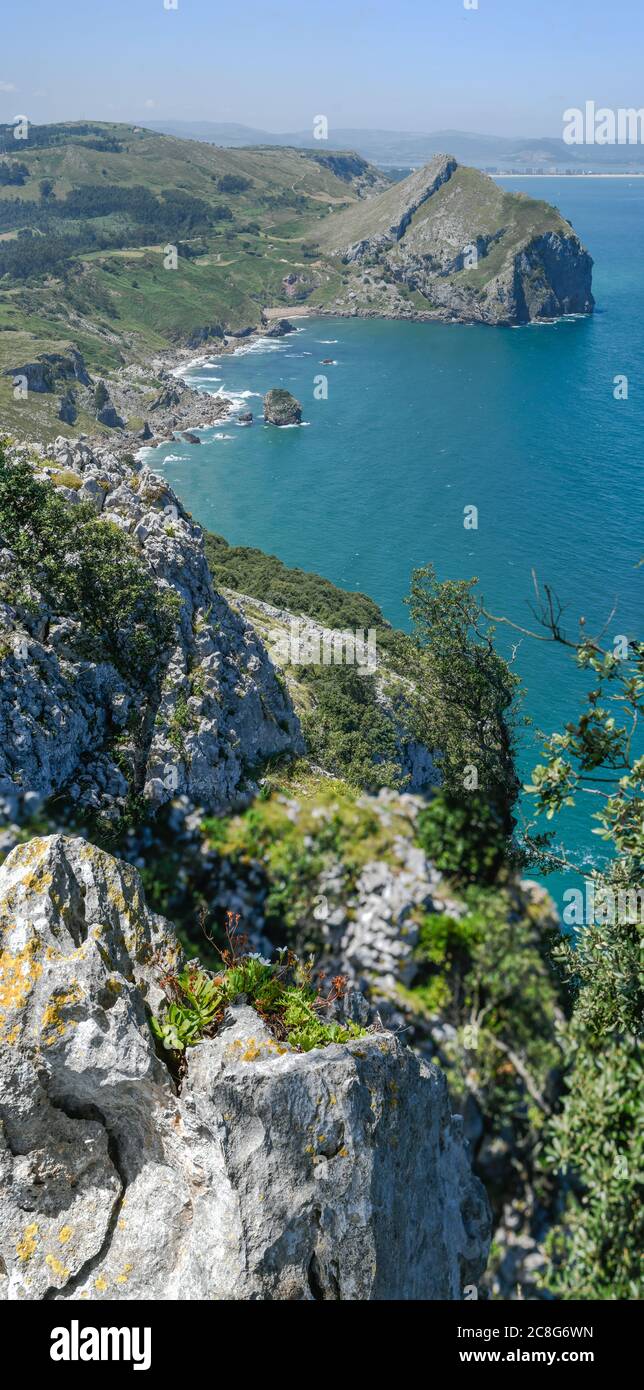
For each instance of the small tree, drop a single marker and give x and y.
(466, 691)
(596, 1140)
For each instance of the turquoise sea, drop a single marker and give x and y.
(423, 420)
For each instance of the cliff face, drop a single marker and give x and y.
(449, 243)
(208, 710)
(77, 724)
(336, 1174)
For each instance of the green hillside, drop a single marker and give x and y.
(86, 211)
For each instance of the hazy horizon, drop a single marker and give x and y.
(440, 66)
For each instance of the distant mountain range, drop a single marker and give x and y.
(391, 148)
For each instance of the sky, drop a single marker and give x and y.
(508, 67)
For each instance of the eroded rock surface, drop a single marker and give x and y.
(336, 1174)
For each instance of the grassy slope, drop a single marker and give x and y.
(121, 304)
(253, 572)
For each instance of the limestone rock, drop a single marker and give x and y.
(274, 1175)
(50, 369)
(281, 408)
(68, 409)
(108, 415)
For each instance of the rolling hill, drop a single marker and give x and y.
(87, 210)
(118, 243)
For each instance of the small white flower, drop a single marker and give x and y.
(255, 955)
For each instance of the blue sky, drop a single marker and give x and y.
(509, 67)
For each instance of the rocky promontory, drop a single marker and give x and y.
(74, 715)
(449, 243)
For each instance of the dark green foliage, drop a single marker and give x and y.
(488, 974)
(465, 690)
(30, 257)
(347, 733)
(464, 837)
(252, 572)
(596, 1140)
(97, 217)
(597, 1145)
(44, 136)
(86, 568)
(12, 172)
(233, 183)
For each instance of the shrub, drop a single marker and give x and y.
(465, 689)
(464, 837)
(347, 733)
(86, 568)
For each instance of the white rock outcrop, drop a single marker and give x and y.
(336, 1174)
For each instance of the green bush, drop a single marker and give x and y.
(464, 838)
(347, 733)
(488, 974)
(85, 568)
(280, 992)
(466, 692)
(597, 1146)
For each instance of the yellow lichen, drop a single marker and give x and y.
(64, 1234)
(52, 1023)
(18, 974)
(58, 1269)
(123, 1277)
(26, 1247)
(100, 1284)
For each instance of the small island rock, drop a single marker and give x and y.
(281, 408)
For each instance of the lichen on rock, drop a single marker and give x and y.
(334, 1174)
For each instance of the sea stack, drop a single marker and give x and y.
(281, 408)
